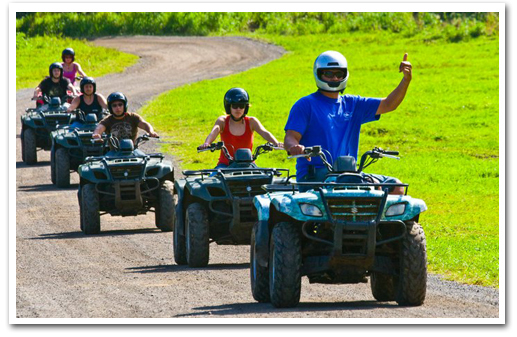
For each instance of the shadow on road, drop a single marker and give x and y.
(81, 235)
(178, 268)
(46, 188)
(21, 164)
(258, 308)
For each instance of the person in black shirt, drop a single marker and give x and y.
(54, 85)
(89, 102)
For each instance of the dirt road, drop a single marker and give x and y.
(129, 270)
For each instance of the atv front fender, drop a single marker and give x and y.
(262, 243)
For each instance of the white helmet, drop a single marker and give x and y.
(330, 60)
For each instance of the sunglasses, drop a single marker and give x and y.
(239, 106)
(335, 73)
(114, 105)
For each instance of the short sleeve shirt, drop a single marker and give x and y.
(125, 128)
(335, 124)
(52, 89)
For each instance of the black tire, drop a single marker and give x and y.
(62, 168)
(164, 211)
(412, 280)
(29, 147)
(180, 252)
(22, 141)
(259, 275)
(382, 285)
(197, 235)
(285, 263)
(90, 210)
(53, 166)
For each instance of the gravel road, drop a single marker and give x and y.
(128, 270)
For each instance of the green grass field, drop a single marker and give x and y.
(35, 54)
(447, 130)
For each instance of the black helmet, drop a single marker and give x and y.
(68, 51)
(117, 96)
(88, 80)
(53, 66)
(236, 95)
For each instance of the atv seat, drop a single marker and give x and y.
(243, 156)
(126, 146)
(55, 102)
(345, 164)
(91, 119)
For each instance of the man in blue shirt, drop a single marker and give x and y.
(334, 121)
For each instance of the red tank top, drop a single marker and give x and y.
(233, 142)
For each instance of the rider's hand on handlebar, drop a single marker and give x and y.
(153, 134)
(96, 136)
(203, 146)
(297, 150)
(280, 145)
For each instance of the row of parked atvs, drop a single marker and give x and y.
(338, 231)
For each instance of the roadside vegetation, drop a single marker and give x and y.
(35, 54)
(447, 129)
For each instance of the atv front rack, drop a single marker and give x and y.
(221, 171)
(333, 185)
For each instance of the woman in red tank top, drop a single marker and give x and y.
(235, 127)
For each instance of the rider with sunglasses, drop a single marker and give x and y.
(334, 121)
(121, 123)
(235, 127)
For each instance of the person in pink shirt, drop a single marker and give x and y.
(71, 68)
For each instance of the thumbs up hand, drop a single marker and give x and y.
(405, 67)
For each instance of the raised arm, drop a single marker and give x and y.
(396, 97)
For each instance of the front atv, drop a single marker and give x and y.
(217, 205)
(71, 146)
(126, 182)
(339, 231)
(37, 124)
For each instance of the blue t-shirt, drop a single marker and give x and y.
(334, 124)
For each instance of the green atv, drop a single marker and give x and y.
(126, 182)
(216, 205)
(37, 124)
(70, 147)
(339, 231)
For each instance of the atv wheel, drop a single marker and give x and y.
(259, 275)
(62, 168)
(412, 281)
(90, 210)
(285, 262)
(180, 253)
(382, 284)
(164, 211)
(23, 146)
(197, 235)
(29, 147)
(53, 166)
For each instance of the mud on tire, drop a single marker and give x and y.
(62, 168)
(197, 235)
(164, 211)
(412, 281)
(91, 220)
(285, 262)
(259, 276)
(30, 156)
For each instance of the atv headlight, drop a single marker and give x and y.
(310, 210)
(396, 209)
